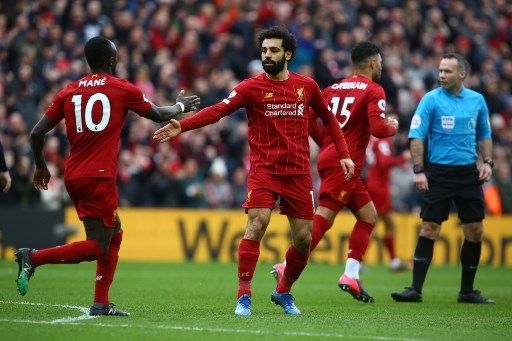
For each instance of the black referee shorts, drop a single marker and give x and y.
(457, 184)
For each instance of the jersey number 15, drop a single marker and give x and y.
(344, 114)
(105, 116)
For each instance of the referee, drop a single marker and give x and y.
(454, 123)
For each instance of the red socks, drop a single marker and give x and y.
(248, 254)
(389, 242)
(359, 239)
(106, 268)
(86, 250)
(320, 227)
(296, 261)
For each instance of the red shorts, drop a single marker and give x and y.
(381, 200)
(94, 198)
(294, 191)
(337, 192)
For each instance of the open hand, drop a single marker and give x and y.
(189, 102)
(167, 132)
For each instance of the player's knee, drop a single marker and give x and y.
(430, 230)
(473, 231)
(256, 228)
(302, 242)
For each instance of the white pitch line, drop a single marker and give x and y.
(85, 312)
(74, 321)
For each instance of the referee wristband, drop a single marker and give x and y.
(417, 169)
(181, 105)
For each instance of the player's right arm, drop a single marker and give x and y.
(420, 127)
(41, 174)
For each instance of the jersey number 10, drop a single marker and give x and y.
(77, 100)
(344, 114)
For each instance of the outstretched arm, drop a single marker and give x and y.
(41, 174)
(183, 104)
(167, 132)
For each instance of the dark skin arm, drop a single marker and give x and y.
(41, 174)
(163, 114)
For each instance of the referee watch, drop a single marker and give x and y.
(490, 163)
(417, 169)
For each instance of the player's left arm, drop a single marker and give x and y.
(380, 125)
(483, 136)
(166, 113)
(314, 130)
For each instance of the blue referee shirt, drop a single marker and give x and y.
(452, 124)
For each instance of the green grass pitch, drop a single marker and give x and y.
(196, 302)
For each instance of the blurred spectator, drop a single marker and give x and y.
(206, 47)
(217, 189)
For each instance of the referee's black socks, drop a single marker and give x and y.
(422, 257)
(469, 259)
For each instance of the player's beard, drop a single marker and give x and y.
(376, 75)
(275, 68)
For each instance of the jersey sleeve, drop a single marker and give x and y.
(236, 99)
(55, 111)
(314, 130)
(330, 123)
(420, 123)
(136, 101)
(376, 114)
(483, 126)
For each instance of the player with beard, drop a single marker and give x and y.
(94, 109)
(278, 108)
(358, 103)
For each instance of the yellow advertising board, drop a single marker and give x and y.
(176, 235)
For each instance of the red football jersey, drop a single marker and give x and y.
(278, 114)
(94, 109)
(358, 104)
(380, 160)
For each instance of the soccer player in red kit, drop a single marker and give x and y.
(380, 160)
(358, 103)
(278, 107)
(94, 109)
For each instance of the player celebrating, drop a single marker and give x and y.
(380, 161)
(277, 103)
(358, 103)
(94, 109)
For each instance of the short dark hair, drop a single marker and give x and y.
(279, 32)
(98, 51)
(362, 51)
(463, 63)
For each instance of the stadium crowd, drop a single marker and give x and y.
(206, 47)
